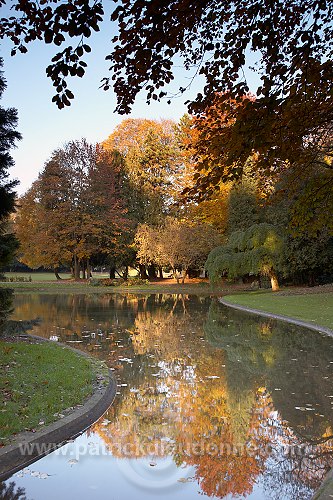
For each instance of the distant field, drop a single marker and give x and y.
(37, 277)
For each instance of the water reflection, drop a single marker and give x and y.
(6, 300)
(210, 397)
(9, 327)
(9, 492)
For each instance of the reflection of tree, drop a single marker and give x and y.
(225, 467)
(182, 409)
(292, 363)
(9, 327)
(225, 407)
(169, 326)
(7, 492)
(6, 300)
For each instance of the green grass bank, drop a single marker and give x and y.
(40, 381)
(314, 308)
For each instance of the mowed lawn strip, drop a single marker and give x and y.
(38, 382)
(313, 308)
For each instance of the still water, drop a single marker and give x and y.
(210, 402)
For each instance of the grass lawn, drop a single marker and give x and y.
(168, 286)
(38, 382)
(38, 277)
(314, 308)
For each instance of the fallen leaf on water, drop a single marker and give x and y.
(73, 461)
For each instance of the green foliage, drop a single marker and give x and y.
(8, 245)
(6, 300)
(305, 258)
(257, 250)
(243, 208)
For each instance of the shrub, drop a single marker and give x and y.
(15, 279)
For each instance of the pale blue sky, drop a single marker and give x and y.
(44, 127)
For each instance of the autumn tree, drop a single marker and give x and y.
(152, 162)
(180, 245)
(287, 120)
(39, 242)
(287, 43)
(74, 210)
(8, 138)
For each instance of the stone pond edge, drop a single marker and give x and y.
(58, 433)
(325, 490)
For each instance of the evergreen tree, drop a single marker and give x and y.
(8, 137)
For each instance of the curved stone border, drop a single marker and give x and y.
(29, 447)
(288, 319)
(325, 491)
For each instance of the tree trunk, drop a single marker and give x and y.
(175, 275)
(112, 273)
(311, 279)
(184, 276)
(143, 272)
(76, 268)
(160, 271)
(89, 275)
(125, 273)
(55, 270)
(274, 281)
(152, 271)
(83, 269)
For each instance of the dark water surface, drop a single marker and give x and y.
(210, 402)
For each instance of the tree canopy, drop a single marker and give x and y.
(151, 161)
(74, 210)
(180, 245)
(286, 121)
(291, 42)
(257, 250)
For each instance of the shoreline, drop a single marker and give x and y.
(281, 317)
(27, 447)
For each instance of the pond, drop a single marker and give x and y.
(210, 401)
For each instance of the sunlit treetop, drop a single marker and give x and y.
(212, 38)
